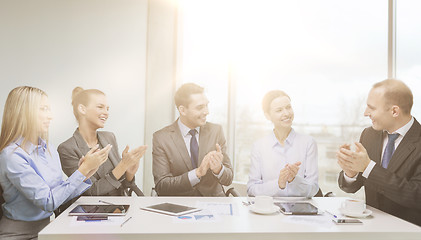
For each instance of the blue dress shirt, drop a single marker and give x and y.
(32, 181)
(268, 157)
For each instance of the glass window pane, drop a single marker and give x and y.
(325, 54)
(203, 61)
(408, 49)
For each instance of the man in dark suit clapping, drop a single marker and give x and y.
(387, 160)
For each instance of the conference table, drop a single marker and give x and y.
(238, 223)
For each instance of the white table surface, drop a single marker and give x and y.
(243, 225)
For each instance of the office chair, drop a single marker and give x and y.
(133, 188)
(153, 192)
(320, 194)
(231, 191)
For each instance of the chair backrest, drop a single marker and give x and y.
(240, 188)
(320, 194)
(1, 202)
(232, 192)
(154, 193)
(136, 190)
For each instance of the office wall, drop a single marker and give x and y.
(161, 74)
(58, 45)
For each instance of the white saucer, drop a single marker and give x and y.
(364, 214)
(274, 209)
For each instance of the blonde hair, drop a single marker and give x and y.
(269, 97)
(20, 116)
(397, 93)
(81, 96)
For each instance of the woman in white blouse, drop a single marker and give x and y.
(284, 163)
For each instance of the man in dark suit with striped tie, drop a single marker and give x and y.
(189, 156)
(387, 160)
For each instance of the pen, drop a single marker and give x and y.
(331, 214)
(125, 221)
(106, 202)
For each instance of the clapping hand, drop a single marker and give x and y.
(283, 178)
(353, 162)
(212, 161)
(293, 170)
(287, 174)
(203, 168)
(132, 158)
(215, 160)
(90, 163)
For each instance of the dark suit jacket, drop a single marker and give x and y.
(103, 184)
(171, 162)
(397, 189)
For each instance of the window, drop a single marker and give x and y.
(204, 58)
(325, 54)
(408, 49)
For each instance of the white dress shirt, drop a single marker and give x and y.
(268, 157)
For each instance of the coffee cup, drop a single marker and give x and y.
(263, 202)
(353, 206)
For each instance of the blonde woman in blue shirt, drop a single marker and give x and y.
(284, 163)
(30, 170)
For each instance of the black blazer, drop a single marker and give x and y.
(397, 189)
